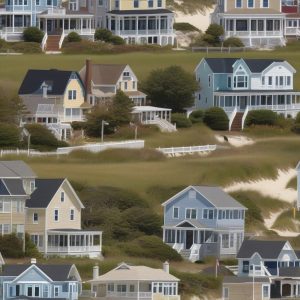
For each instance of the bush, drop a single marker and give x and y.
(11, 246)
(261, 117)
(216, 118)
(33, 34)
(181, 120)
(26, 47)
(297, 120)
(296, 128)
(151, 247)
(197, 116)
(116, 40)
(73, 37)
(76, 125)
(233, 42)
(185, 27)
(104, 35)
(9, 135)
(3, 44)
(30, 248)
(208, 39)
(215, 30)
(43, 137)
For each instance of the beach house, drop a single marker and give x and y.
(135, 282)
(202, 221)
(239, 85)
(53, 98)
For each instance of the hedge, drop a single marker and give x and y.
(9, 135)
(73, 37)
(33, 34)
(197, 116)
(261, 117)
(233, 42)
(216, 118)
(181, 120)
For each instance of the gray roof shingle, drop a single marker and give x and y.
(289, 272)
(266, 249)
(236, 279)
(44, 192)
(15, 187)
(55, 272)
(15, 169)
(224, 65)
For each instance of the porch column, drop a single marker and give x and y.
(13, 23)
(159, 25)
(265, 27)
(45, 242)
(234, 26)
(138, 290)
(69, 24)
(81, 25)
(137, 26)
(147, 29)
(68, 242)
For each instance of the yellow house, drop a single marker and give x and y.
(53, 98)
(53, 220)
(141, 21)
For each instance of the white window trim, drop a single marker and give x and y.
(262, 291)
(62, 199)
(57, 215)
(250, 7)
(72, 208)
(262, 4)
(56, 287)
(238, 6)
(191, 214)
(33, 221)
(173, 212)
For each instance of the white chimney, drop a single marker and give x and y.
(166, 267)
(298, 186)
(33, 261)
(95, 272)
(45, 90)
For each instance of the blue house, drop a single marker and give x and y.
(40, 281)
(240, 85)
(203, 221)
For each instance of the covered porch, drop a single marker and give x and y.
(151, 114)
(74, 242)
(289, 288)
(287, 103)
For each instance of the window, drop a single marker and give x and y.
(238, 3)
(288, 80)
(37, 2)
(131, 288)
(231, 240)
(117, 4)
(270, 80)
(45, 291)
(121, 288)
(72, 94)
(100, 2)
(29, 291)
(126, 74)
(36, 291)
(209, 80)
(265, 3)
(56, 214)
(191, 213)
(225, 293)
(72, 214)
(266, 291)
(35, 218)
(175, 212)
(246, 266)
(281, 80)
(150, 3)
(49, 2)
(208, 214)
(56, 291)
(133, 85)
(229, 82)
(225, 240)
(62, 197)
(159, 3)
(136, 3)
(240, 81)
(250, 3)
(110, 287)
(125, 85)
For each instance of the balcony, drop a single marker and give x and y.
(129, 295)
(144, 32)
(259, 34)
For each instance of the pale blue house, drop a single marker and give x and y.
(40, 281)
(203, 221)
(239, 85)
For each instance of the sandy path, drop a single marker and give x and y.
(235, 140)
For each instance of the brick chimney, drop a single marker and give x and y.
(88, 77)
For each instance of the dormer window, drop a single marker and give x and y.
(240, 81)
(126, 74)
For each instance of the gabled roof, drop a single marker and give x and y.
(34, 79)
(104, 74)
(54, 272)
(125, 272)
(215, 195)
(15, 169)
(45, 189)
(266, 249)
(12, 187)
(225, 65)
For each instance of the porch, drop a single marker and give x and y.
(135, 28)
(70, 242)
(150, 114)
(286, 102)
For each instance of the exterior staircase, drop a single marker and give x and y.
(164, 125)
(53, 43)
(237, 122)
(185, 253)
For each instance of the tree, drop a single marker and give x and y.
(172, 88)
(121, 108)
(9, 135)
(33, 34)
(215, 31)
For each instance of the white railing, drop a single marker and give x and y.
(187, 150)
(232, 116)
(83, 31)
(195, 252)
(73, 249)
(244, 117)
(163, 124)
(178, 247)
(98, 147)
(145, 32)
(258, 271)
(62, 37)
(254, 33)
(56, 11)
(133, 295)
(234, 269)
(44, 41)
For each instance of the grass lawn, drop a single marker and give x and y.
(13, 68)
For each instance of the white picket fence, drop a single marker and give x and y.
(176, 151)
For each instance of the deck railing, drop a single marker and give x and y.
(133, 295)
(187, 150)
(275, 33)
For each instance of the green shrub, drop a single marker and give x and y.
(209, 40)
(296, 128)
(77, 125)
(33, 34)
(181, 120)
(3, 44)
(43, 138)
(197, 116)
(185, 27)
(151, 247)
(30, 248)
(11, 246)
(297, 120)
(73, 37)
(117, 40)
(104, 35)
(9, 135)
(261, 117)
(26, 47)
(215, 30)
(233, 42)
(216, 118)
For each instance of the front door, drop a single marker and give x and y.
(49, 26)
(189, 239)
(286, 290)
(243, 102)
